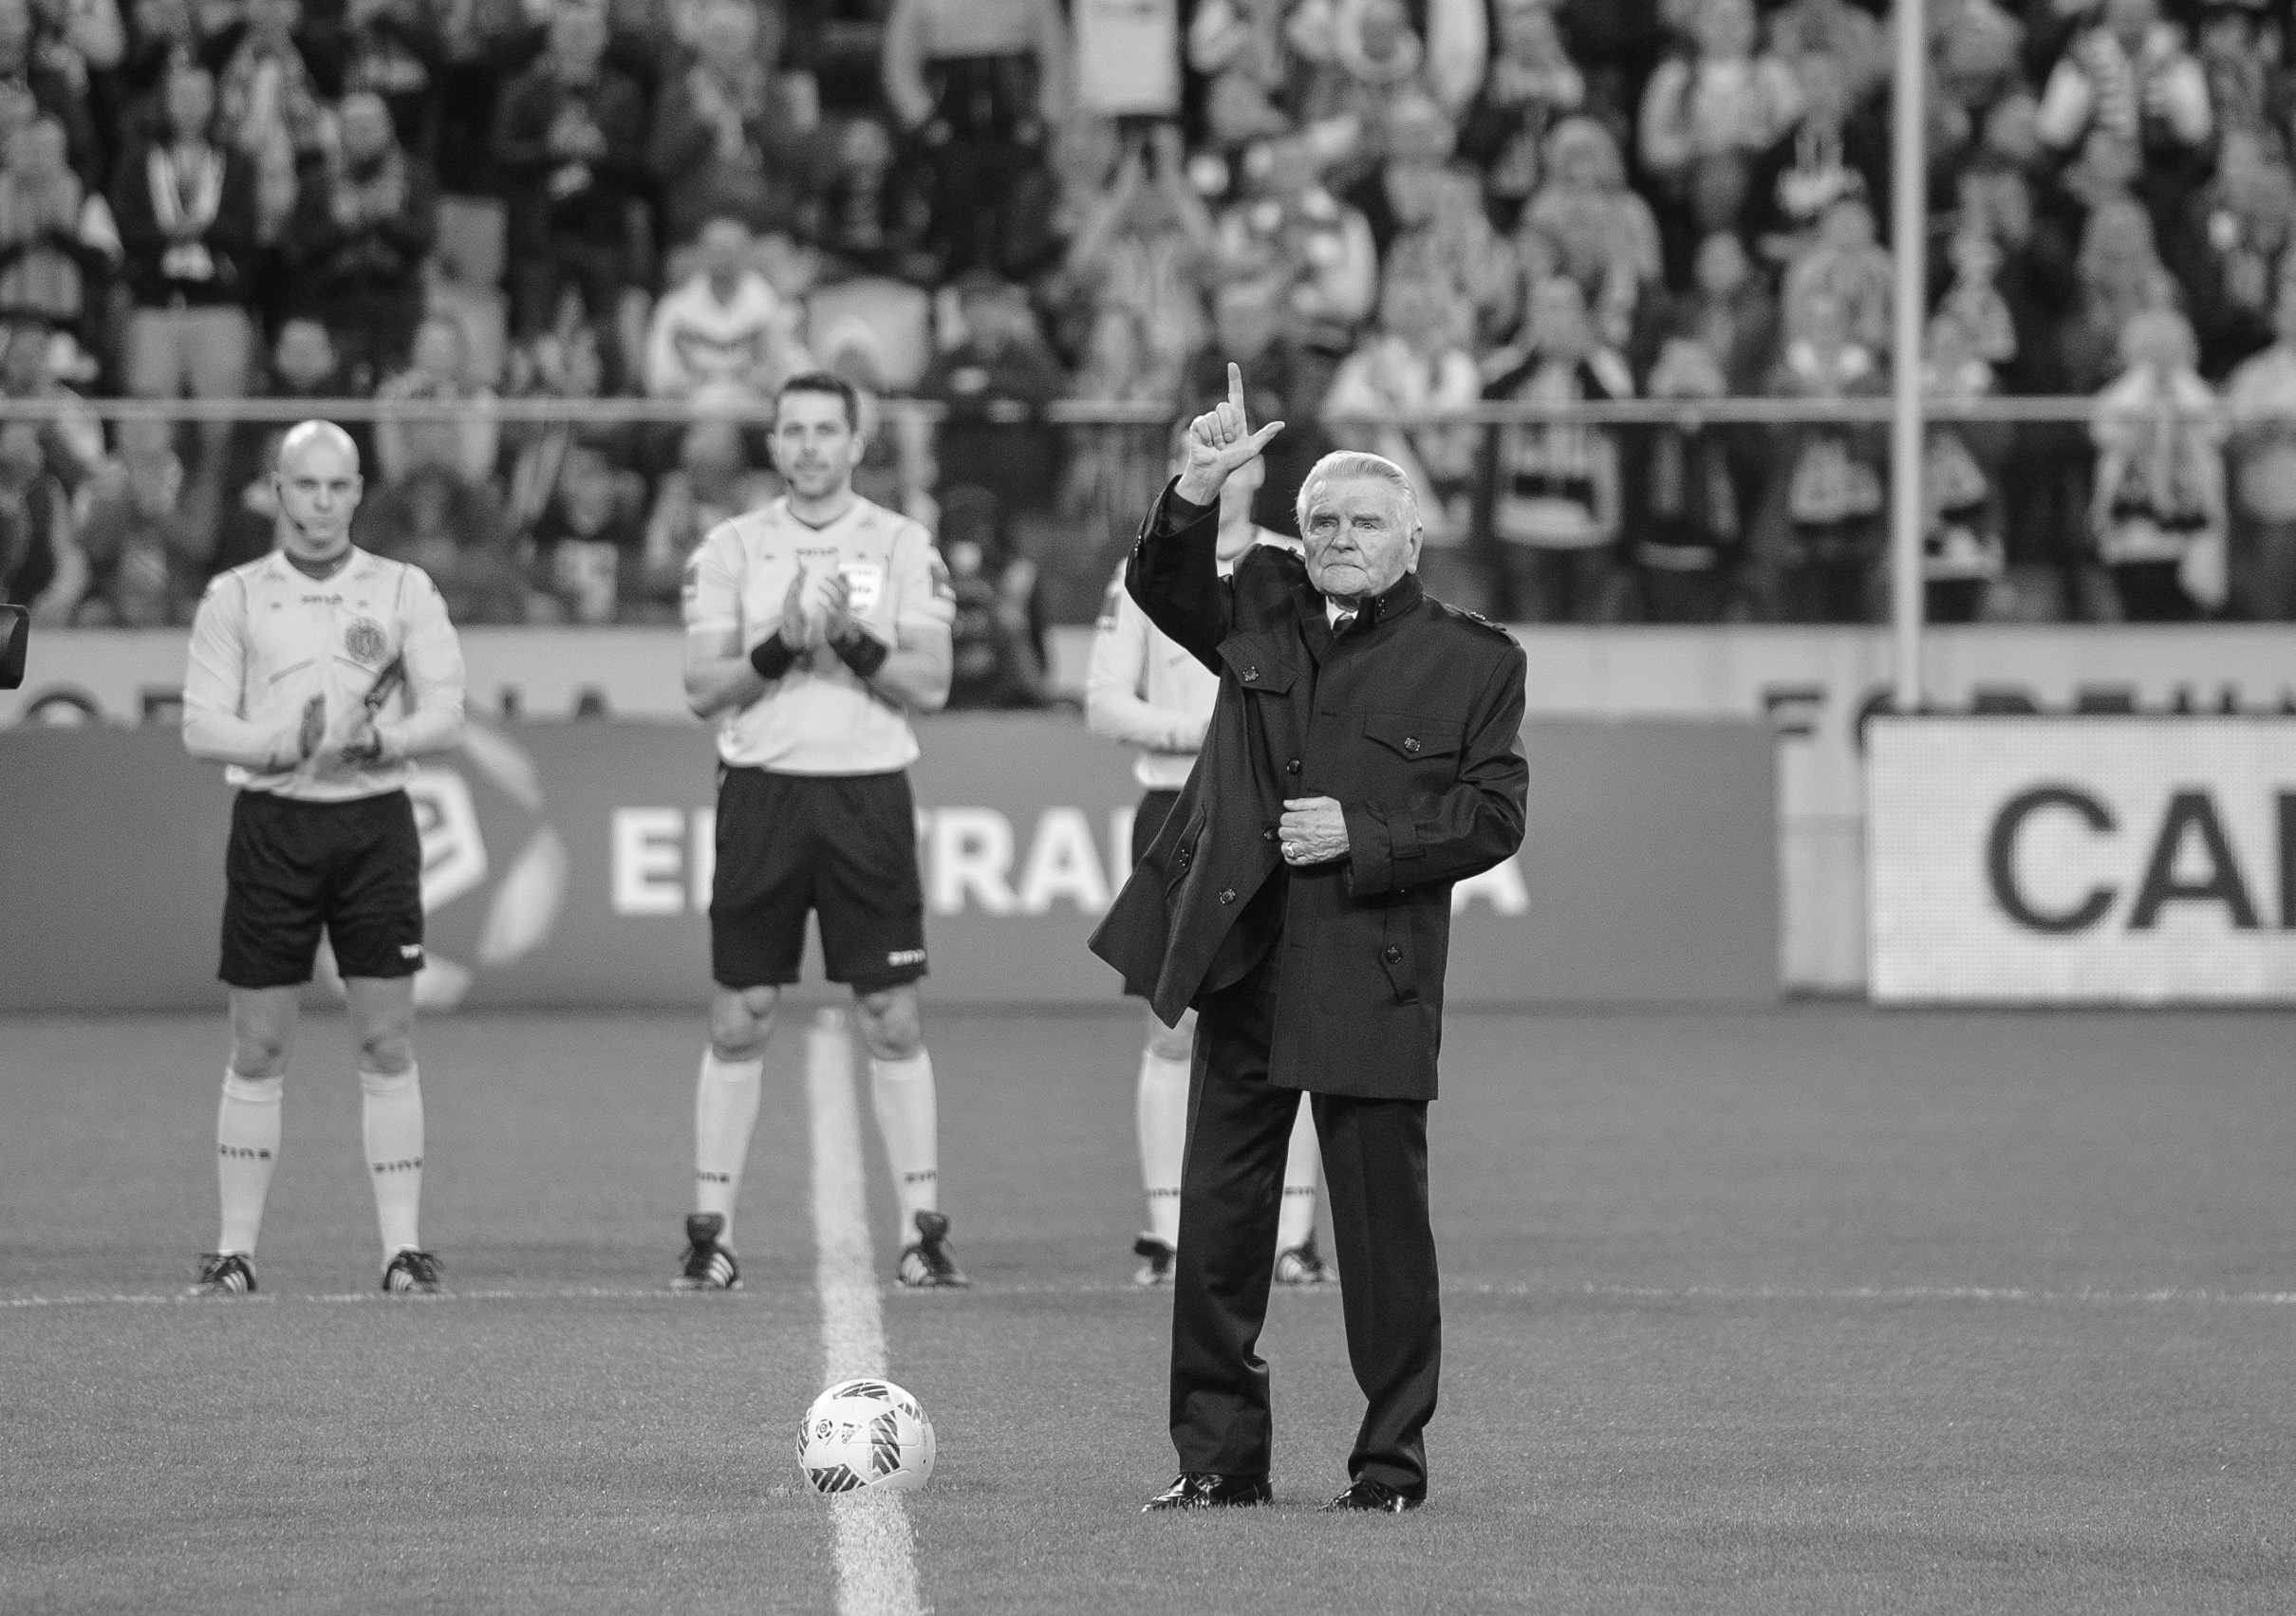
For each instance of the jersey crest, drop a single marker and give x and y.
(364, 642)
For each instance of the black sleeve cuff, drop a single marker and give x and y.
(1176, 513)
(862, 651)
(771, 656)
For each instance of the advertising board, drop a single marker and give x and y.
(2084, 861)
(570, 864)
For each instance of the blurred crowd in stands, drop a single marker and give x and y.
(1385, 211)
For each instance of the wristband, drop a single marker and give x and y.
(862, 651)
(771, 656)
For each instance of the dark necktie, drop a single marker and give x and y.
(1340, 624)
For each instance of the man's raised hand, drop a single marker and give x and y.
(1220, 440)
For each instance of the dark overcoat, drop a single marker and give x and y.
(1412, 721)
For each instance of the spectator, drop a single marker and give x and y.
(1837, 149)
(1708, 116)
(569, 137)
(1731, 311)
(451, 529)
(1846, 263)
(166, 35)
(732, 135)
(2118, 275)
(1414, 368)
(2260, 404)
(1532, 85)
(1556, 491)
(1318, 248)
(2229, 250)
(1280, 383)
(1961, 549)
(1855, 45)
(724, 337)
(1692, 528)
(998, 634)
(146, 555)
(1379, 65)
(366, 218)
(2158, 512)
(70, 438)
(1239, 47)
(186, 211)
(1449, 238)
(568, 363)
(873, 217)
(458, 431)
(713, 482)
(42, 464)
(1150, 251)
(977, 86)
(588, 543)
(1833, 495)
(28, 77)
(2244, 62)
(2129, 78)
(994, 384)
(53, 234)
(393, 48)
(1604, 235)
(270, 108)
(1974, 297)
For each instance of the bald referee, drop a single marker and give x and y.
(814, 626)
(316, 674)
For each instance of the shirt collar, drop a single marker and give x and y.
(1401, 596)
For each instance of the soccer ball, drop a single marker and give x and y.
(865, 1434)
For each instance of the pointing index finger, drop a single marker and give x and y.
(1235, 387)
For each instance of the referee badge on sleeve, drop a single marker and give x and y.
(863, 585)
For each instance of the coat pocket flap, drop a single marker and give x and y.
(1413, 738)
(1258, 662)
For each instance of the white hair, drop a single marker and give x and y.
(1349, 465)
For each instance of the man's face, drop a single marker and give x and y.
(367, 126)
(304, 355)
(191, 104)
(815, 446)
(1357, 539)
(319, 488)
(723, 249)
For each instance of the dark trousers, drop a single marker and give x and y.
(1231, 1190)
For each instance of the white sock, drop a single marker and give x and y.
(726, 1114)
(908, 1118)
(247, 1148)
(391, 1118)
(1162, 1109)
(1296, 1223)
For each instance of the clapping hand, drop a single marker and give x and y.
(800, 631)
(1219, 442)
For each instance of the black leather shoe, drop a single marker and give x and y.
(1369, 1495)
(1209, 1490)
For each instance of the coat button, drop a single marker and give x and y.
(1227, 894)
(1268, 835)
(1250, 674)
(1411, 744)
(1394, 955)
(1292, 766)
(1183, 859)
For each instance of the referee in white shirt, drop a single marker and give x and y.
(316, 673)
(814, 626)
(1146, 692)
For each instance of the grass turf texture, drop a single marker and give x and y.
(1815, 1310)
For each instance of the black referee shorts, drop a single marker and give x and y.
(842, 845)
(293, 867)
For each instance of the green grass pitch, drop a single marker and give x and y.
(1815, 1310)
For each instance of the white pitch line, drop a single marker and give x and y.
(876, 1557)
(2009, 1294)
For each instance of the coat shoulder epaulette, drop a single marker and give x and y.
(1461, 614)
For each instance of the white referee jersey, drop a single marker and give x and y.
(820, 717)
(1144, 690)
(267, 639)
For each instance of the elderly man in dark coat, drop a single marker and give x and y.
(1364, 754)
